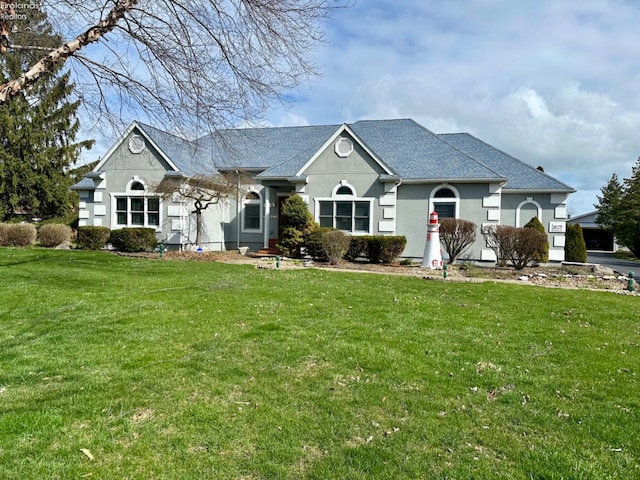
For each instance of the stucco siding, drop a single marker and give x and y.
(358, 171)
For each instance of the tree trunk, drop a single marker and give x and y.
(198, 227)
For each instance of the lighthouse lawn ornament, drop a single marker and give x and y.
(432, 254)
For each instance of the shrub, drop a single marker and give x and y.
(314, 243)
(335, 244)
(456, 236)
(4, 228)
(92, 238)
(296, 223)
(134, 239)
(17, 234)
(357, 248)
(54, 234)
(575, 249)
(535, 223)
(382, 249)
(520, 246)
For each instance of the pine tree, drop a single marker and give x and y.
(619, 209)
(37, 131)
(575, 249)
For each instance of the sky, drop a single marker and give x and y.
(555, 83)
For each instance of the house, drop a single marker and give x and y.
(595, 237)
(370, 177)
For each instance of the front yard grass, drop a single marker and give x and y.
(129, 368)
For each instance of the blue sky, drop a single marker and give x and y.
(554, 83)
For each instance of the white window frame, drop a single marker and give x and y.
(335, 198)
(129, 195)
(433, 200)
(253, 202)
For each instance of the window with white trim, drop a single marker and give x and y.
(345, 211)
(135, 208)
(252, 212)
(137, 211)
(445, 202)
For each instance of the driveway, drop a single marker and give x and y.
(619, 265)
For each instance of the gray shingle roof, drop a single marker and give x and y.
(191, 157)
(413, 152)
(263, 148)
(521, 175)
(405, 147)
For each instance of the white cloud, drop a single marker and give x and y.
(553, 82)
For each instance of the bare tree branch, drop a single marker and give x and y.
(186, 64)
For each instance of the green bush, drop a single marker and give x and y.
(575, 249)
(376, 248)
(357, 248)
(385, 249)
(314, 243)
(296, 223)
(93, 238)
(17, 234)
(54, 234)
(134, 239)
(535, 223)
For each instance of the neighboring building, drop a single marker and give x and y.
(373, 177)
(595, 237)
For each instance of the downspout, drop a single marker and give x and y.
(238, 209)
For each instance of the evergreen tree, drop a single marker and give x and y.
(37, 130)
(296, 223)
(537, 224)
(575, 249)
(619, 209)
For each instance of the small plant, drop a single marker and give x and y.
(54, 234)
(92, 238)
(335, 244)
(17, 234)
(406, 262)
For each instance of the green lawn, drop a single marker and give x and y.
(180, 370)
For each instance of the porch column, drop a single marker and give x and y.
(267, 214)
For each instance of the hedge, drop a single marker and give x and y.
(134, 239)
(376, 248)
(93, 238)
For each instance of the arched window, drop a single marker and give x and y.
(135, 207)
(344, 190)
(252, 212)
(444, 193)
(445, 201)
